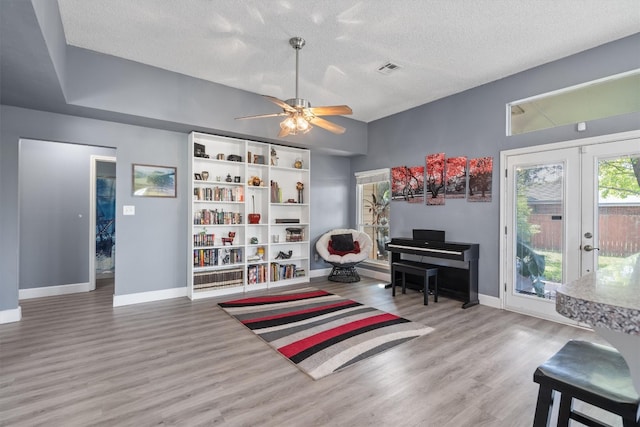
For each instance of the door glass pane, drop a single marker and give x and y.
(618, 209)
(539, 230)
(374, 220)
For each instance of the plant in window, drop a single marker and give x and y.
(378, 206)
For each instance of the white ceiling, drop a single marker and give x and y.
(442, 46)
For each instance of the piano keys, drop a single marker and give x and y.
(457, 265)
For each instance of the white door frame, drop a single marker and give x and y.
(94, 159)
(504, 205)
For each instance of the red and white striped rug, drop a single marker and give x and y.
(322, 332)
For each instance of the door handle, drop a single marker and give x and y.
(589, 248)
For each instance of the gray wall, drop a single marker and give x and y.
(55, 212)
(151, 244)
(472, 124)
(330, 192)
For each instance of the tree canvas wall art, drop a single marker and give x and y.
(435, 179)
(456, 178)
(407, 184)
(480, 179)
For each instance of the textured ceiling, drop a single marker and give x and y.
(442, 46)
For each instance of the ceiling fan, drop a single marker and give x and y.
(300, 115)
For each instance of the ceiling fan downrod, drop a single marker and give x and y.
(297, 43)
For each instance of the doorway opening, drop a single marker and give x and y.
(103, 221)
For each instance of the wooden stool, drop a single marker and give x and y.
(592, 373)
(419, 269)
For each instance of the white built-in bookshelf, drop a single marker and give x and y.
(249, 225)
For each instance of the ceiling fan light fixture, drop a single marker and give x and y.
(298, 113)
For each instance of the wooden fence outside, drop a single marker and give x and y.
(619, 233)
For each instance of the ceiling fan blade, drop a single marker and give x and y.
(325, 124)
(280, 103)
(260, 116)
(333, 110)
(284, 132)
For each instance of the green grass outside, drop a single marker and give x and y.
(553, 264)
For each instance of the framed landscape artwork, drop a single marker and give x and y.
(435, 179)
(480, 179)
(407, 184)
(153, 181)
(456, 178)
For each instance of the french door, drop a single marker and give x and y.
(568, 211)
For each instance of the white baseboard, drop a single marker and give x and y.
(378, 275)
(10, 316)
(320, 272)
(49, 291)
(141, 297)
(490, 301)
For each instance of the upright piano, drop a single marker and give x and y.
(457, 262)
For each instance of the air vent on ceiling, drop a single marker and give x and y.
(388, 68)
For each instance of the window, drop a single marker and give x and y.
(597, 99)
(373, 195)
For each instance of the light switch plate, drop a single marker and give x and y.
(128, 210)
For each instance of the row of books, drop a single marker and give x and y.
(215, 216)
(219, 194)
(217, 256)
(202, 239)
(217, 279)
(256, 274)
(285, 271)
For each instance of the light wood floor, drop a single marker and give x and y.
(74, 360)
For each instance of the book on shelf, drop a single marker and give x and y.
(216, 217)
(218, 279)
(216, 257)
(283, 271)
(287, 220)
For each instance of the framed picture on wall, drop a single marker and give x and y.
(153, 181)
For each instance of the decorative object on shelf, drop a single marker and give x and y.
(274, 157)
(197, 177)
(236, 178)
(294, 234)
(225, 240)
(254, 241)
(229, 179)
(282, 255)
(258, 159)
(300, 188)
(260, 251)
(291, 200)
(298, 164)
(276, 192)
(298, 113)
(205, 175)
(234, 158)
(220, 156)
(275, 238)
(255, 181)
(218, 178)
(254, 218)
(153, 181)
(199, 151)
(287, 220)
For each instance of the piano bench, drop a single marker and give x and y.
(419, 269)
(591, 373)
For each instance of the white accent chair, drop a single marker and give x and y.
(344, 266)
